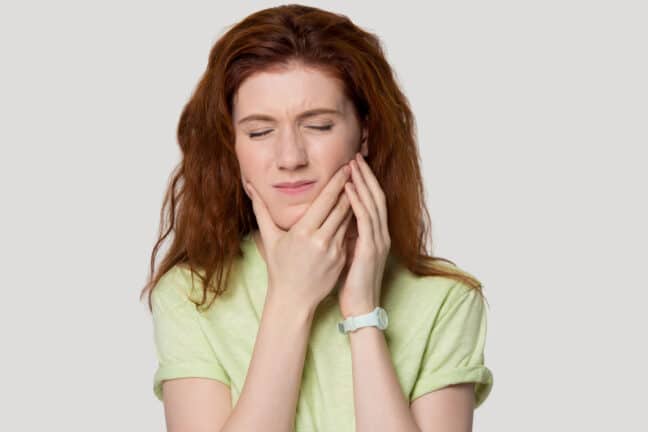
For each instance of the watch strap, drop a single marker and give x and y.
(353, 323)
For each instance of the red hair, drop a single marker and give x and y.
(205, 205)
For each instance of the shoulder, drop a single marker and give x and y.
(176, 284)
(425, 294)
(401, 281)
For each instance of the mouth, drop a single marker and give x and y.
(295, 190)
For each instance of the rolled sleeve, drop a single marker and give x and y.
(183, 350)
(454, 352)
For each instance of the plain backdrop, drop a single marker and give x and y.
(532, 124)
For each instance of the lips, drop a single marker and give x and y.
(293, 184)
(295, 188)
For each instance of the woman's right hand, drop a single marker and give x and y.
(305, 262)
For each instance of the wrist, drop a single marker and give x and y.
(287, 306)
(360, 309)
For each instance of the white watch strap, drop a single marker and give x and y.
(355, 322)
(367, 319)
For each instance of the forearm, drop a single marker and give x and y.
(380, 404)
(268, 400)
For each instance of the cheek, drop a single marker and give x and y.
(253, 172)
(245, 172)
(249, 162)
(335, 150)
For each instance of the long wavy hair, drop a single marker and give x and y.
(205, 206)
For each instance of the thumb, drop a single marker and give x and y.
(269, 231)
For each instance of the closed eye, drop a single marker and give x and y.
(324, 128)
(258, 134)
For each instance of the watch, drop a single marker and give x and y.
(377, 317)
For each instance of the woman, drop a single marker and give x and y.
(298, 94)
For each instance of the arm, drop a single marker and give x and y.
(269, 396)
(196, 404)
(380, 404)
(378, 397)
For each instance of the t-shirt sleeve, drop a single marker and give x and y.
(454, 351)
(182, 347)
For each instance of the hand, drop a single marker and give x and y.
(305, 262)
(360, 291)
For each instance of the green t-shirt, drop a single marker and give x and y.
(436, 337)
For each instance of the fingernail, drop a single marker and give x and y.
(347, 169)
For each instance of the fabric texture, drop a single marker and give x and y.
(436, 337)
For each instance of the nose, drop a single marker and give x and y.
(291, 151)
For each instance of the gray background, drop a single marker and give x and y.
(531, 120)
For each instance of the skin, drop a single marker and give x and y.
(293, 148)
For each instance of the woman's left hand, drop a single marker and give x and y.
(360, 291)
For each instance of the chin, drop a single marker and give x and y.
(290, 216)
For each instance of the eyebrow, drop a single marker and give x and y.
(303, 115)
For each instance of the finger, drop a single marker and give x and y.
(340, 234)
(332, 222)
(361, 214)
(362, 190)
(269, 230)
(376, 191)
(321, 206)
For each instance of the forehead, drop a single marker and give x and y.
(287, 92)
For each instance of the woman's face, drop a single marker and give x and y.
(278, 141)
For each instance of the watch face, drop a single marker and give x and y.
(382, 318)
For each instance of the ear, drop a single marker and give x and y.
(364, 141)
